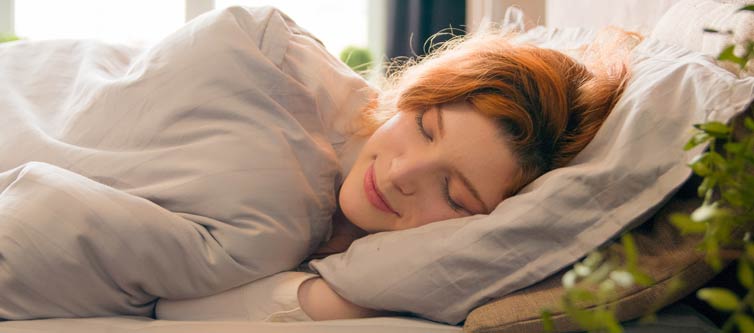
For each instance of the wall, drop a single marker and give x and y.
(636, 15)
(478, 11)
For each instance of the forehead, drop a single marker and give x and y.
(474, 146)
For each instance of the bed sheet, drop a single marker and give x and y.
(677, 318)
(133, 324)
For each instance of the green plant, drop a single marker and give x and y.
(725, 220)
(8, 38)
(357, 58)
(726, 213)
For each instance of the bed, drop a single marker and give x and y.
(44, 180)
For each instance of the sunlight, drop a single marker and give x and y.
(336, 23)
(133, 21)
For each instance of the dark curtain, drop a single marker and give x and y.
(412, 22)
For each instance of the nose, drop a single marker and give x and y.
(410, 170)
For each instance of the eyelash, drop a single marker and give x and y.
(446, 192)
(420, 125)
(446, 186)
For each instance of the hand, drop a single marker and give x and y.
(320, 302)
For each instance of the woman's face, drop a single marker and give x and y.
(420, 167)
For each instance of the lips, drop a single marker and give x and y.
(373, 193)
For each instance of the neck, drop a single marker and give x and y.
(341, 225)
(343, 234)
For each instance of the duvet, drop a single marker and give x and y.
(201, 163)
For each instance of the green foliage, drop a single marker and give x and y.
(8, 38)
(720, 298)
(727, 211)
(357, 58)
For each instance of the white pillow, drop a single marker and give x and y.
(442, 271)
(683, 22)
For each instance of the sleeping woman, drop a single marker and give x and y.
(453, 135)
(206, 162)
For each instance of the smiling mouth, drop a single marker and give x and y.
(373, 193)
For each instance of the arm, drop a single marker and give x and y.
(320, 302)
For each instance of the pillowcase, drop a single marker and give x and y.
(635, 163)
(665, 255)
(684, 22)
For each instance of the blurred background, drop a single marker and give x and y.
(363, 33)
(354, 30)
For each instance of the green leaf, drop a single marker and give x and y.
(697, 139)
(734, 197)
(581, 295)
(547, 323)
(750, 251)
(608, 321)
(716, 129)
(707, 184)
(745, 323)
(749, 8)
(686, 225)
(745, 274)
(700, 164)
(711, 30)
(593, 259)
(749, 123)
(712, 255)
(600, 273)
(629, 246)
(719, 298)
(716, 160)
(733, 147)
(641, 278)
(4, 38)
(728, 55)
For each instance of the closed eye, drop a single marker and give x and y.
(420, 125)
(453, 205)
(446, 184)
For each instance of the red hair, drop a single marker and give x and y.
(548, 106)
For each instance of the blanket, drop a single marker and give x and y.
(201, 163)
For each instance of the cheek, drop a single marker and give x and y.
(433, 210)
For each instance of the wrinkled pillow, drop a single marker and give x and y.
(684, 22)
(443, 270)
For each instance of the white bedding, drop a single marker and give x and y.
(146, 325)
(137, 171)
(205, 162)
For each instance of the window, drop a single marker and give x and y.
(131, 21)
(337, 23)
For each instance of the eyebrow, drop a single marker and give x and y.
(466, 182)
